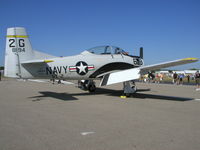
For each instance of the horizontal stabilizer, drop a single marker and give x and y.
(36, 61)
(45, 81)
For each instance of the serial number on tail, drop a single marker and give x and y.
(14, 50)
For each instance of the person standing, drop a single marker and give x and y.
(175, 77)
(53, 78)
(180, 77)
(157, 78)
(161, 77)
(197, 79)
(188, 78)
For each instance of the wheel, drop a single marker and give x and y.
(91, 88)
(134, 88)
(127, 94)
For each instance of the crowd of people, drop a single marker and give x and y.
(176, 78)
(152, 77)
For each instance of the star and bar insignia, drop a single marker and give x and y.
(81, 68)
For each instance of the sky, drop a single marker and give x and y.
(166, 29)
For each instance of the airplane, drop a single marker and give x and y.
(109, 64)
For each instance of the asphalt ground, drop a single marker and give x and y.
(43, 116)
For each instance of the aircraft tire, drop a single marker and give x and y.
(127, 94)
(135, 88)
(91, 88)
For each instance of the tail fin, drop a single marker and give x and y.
(18, 48)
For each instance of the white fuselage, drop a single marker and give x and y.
(83, 66)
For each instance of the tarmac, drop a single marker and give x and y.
(43, 116)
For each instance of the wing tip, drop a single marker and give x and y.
(190, 59)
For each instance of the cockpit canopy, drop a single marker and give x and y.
(101, 50)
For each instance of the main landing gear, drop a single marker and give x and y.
(87, 85)
(129, 88)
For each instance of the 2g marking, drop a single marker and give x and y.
(20, 43)
(18, 47)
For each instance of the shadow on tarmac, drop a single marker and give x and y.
(108, 92)
(60, 96)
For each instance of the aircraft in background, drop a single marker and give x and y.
(110, 64)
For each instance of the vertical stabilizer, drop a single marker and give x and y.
(18, 48)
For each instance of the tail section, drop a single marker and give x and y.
(18, 48)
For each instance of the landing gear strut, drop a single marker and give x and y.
(87, 85)
(129, 88)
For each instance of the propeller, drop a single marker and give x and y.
(141, 52)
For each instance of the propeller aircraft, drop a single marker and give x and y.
(110, 64)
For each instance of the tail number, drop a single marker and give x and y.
(20, 43)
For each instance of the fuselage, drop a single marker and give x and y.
(86, 65)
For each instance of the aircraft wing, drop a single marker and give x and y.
(134, 73)
(169, 64)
